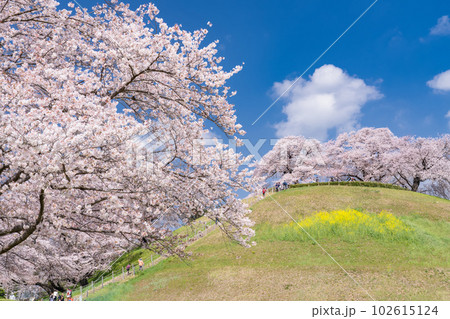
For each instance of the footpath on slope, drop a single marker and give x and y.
(82, 292)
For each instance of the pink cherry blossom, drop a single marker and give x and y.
(77, 187)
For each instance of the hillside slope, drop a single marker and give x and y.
(282, 267)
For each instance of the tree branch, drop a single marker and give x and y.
(29, 230)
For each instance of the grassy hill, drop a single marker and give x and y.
(287, 265)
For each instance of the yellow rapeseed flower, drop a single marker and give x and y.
(351, 222)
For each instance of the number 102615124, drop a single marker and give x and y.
(414, 310)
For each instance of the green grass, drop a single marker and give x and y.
(355, 183)
(132, 258)
(277, 269)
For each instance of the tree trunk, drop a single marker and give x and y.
(416, 184)
(50, 286)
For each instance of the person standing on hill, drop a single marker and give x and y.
(128, 269)
(264, 192)
(141, 264)
(285, 185)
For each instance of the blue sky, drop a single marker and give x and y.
(382, 64)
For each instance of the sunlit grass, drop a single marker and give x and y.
(348, 225)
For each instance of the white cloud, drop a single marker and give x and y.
(330, 99)
(442, 27)
(209, 134)
(209, 138)
(441, 81)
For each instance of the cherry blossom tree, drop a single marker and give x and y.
(292, 158)
(421, 159)
(369, 154)
(83, 92)
(364, 155)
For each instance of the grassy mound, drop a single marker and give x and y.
(400, 254)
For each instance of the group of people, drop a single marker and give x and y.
(278, 187)
(140, 263)
(284, 185)
(60, 297)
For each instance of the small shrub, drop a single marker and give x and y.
(357, 183)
